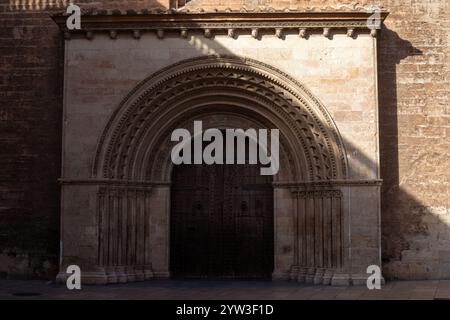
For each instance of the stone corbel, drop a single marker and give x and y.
(255, 33)
(279, 33)
(184, 33)
(373, 32)
(208, 33)
(302, 33)
(89, 35)
(136, 34)
(113, 34)
(350, 32)
(160, 33)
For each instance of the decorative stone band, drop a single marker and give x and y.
(325, 276)
(142, 185)
(294, 186)
(318, 193)
(324, 184)
(231, 23)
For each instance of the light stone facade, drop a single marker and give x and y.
(113, 82)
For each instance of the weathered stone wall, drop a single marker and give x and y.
(101, 71)
(414, 118)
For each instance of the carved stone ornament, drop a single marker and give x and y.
(261, 86)
(222, 22)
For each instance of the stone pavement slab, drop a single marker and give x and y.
(225, 290)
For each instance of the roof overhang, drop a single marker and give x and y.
(217, 22)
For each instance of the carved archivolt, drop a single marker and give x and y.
(142, 123)
(162, 162)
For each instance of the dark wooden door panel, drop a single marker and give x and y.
(221, 222)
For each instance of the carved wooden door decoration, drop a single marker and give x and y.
(221, 222)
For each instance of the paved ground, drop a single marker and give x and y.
(185, 290)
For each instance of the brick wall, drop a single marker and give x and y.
(414, 133)
(30, 135)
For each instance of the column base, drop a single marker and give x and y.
(320, 276)
(340, 279)
(86, 278)
(112, 275)
(360, 279)
(161, 275)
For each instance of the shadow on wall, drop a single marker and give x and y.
(415, 237)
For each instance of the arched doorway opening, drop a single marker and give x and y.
(221, 222)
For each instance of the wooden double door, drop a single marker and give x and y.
(221, 222)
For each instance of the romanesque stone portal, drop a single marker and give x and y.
(127, 89)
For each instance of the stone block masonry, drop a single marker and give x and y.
(413, 84)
